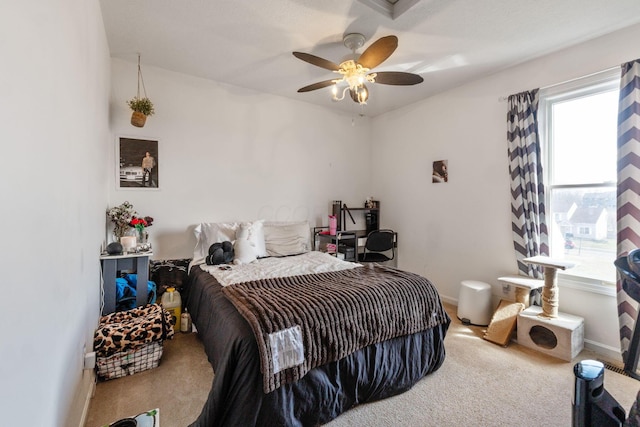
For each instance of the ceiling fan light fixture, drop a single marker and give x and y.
(361, 94)
(354, 76)
(335, 91)
(358, 94)
(354, 73)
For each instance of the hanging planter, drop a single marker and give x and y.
(141, 106)
(138, 119)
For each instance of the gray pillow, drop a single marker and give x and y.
(287, 238)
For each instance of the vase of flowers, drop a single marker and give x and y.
(140, 225)
(121, 217)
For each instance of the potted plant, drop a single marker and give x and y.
(142, 107)
(121, 217)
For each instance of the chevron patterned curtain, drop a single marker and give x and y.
(528, 225)
(628, 189)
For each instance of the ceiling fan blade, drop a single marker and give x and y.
(315, 86)
(378, 52)
(398, 78)
(317, 61)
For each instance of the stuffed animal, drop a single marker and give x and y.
(220, 253)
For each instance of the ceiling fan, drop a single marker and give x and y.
(355, 72)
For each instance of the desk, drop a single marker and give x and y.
(352, 240)
(346, 242)
(111, 264)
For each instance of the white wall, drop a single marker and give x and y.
(462, 229)
(54, 85)
(227, 153)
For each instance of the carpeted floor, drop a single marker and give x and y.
(179, 387)
(479, 384)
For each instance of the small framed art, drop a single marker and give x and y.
(138, 163)
(440, 171)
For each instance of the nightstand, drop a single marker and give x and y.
(111, 264)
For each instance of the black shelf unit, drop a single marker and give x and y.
(371, 215)
(346, 243)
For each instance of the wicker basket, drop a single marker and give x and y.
(128, 342)
(129, 362)
(138, 119)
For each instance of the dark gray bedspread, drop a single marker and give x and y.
(236, 398)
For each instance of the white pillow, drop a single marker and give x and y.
(208, 233)
(244, 252)
(287, 238)
(254, 233)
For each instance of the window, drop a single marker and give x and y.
(578, 130)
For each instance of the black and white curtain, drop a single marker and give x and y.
(528, 223)
(628, 189)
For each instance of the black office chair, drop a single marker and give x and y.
(378, 244)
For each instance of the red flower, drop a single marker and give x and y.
(139, 223)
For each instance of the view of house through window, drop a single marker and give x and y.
(578, 133)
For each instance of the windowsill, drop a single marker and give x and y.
(587, 285)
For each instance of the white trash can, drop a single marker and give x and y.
(474, 303)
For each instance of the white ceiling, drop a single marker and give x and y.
(248, 43)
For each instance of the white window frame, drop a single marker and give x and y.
(588, 85)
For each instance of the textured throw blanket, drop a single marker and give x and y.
(301, 322)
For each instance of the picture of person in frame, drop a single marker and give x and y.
(440, 171)
(138, 163)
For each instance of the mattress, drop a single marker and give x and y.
(237, 397)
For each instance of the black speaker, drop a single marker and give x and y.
(372, 223)
(114, 248)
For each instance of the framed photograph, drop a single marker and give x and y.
(138, 163)
(440, 172)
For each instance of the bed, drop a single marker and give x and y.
(355, 342)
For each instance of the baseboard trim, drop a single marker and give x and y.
(607, 352)
(87, 401)
(449, 300)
